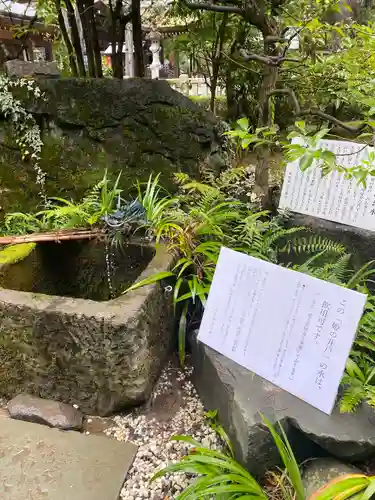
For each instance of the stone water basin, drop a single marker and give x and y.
(65, 334)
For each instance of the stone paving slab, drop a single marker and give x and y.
(40, 463)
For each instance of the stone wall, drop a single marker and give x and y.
(134, 126)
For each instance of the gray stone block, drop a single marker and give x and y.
(39, 463)
(239, 395)
(45, 411)
(27, 68)
(103, 356)
(317, 473)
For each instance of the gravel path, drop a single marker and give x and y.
(174, 409)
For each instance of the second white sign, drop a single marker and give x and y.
(290, 328)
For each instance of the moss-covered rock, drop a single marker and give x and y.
(135, 126)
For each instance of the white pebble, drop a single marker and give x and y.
(155, 450)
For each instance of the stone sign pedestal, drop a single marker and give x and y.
(239, 395)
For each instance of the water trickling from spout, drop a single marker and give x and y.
(109, 268)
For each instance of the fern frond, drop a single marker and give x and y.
(314, 243)
(21, 223)
(278, 234)
(367, 344)
(200, 187)
(307, 267)
(370, 395)
(232, 175)
(353, 396)
(180, 178)
(336, 272)
(361, 275)
(209, 199)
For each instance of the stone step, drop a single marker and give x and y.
(39, 463)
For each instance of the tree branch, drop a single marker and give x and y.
(256, 57)
(267, 60)
(274, 39)
(313, 111)
(332, 119)
(215, 8)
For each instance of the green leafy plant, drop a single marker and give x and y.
(26, 130)
(194, 234)
(218, 475)
(303, 146)
(195, 225)
(21, 223)
(64, 214)
(155, 202)
(262, 136)
(213, 422)
(351, 486)
(358, 383)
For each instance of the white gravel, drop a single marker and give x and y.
(152, 435)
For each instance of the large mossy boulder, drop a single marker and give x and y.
(135, 126)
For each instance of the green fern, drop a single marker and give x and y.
(65, 214)
(370, 395)
(353, 396)
(21, 223)
(204, 217)
(313, 244)
(335, 272)
(232, 176)
(365, 338)
(358, 383)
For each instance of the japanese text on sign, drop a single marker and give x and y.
(302, 346)
(331, 197)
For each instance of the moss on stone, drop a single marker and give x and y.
(135, 126)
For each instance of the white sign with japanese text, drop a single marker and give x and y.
(290, 328)
(331, 197)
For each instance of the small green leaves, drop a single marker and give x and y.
(243, 124)
(149, 281)
(345, 488)
(261, 136)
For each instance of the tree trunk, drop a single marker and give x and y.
(95, 40)
(118, 25)
(119, 52)
(87, 35)
(65, 35)
(139, 69)
(118, 71)
(115, 63)
(213, 84)
(217, 59)
(233, 106)
(265, 119)
(76, 42)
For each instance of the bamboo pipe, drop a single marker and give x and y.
(51, 236)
